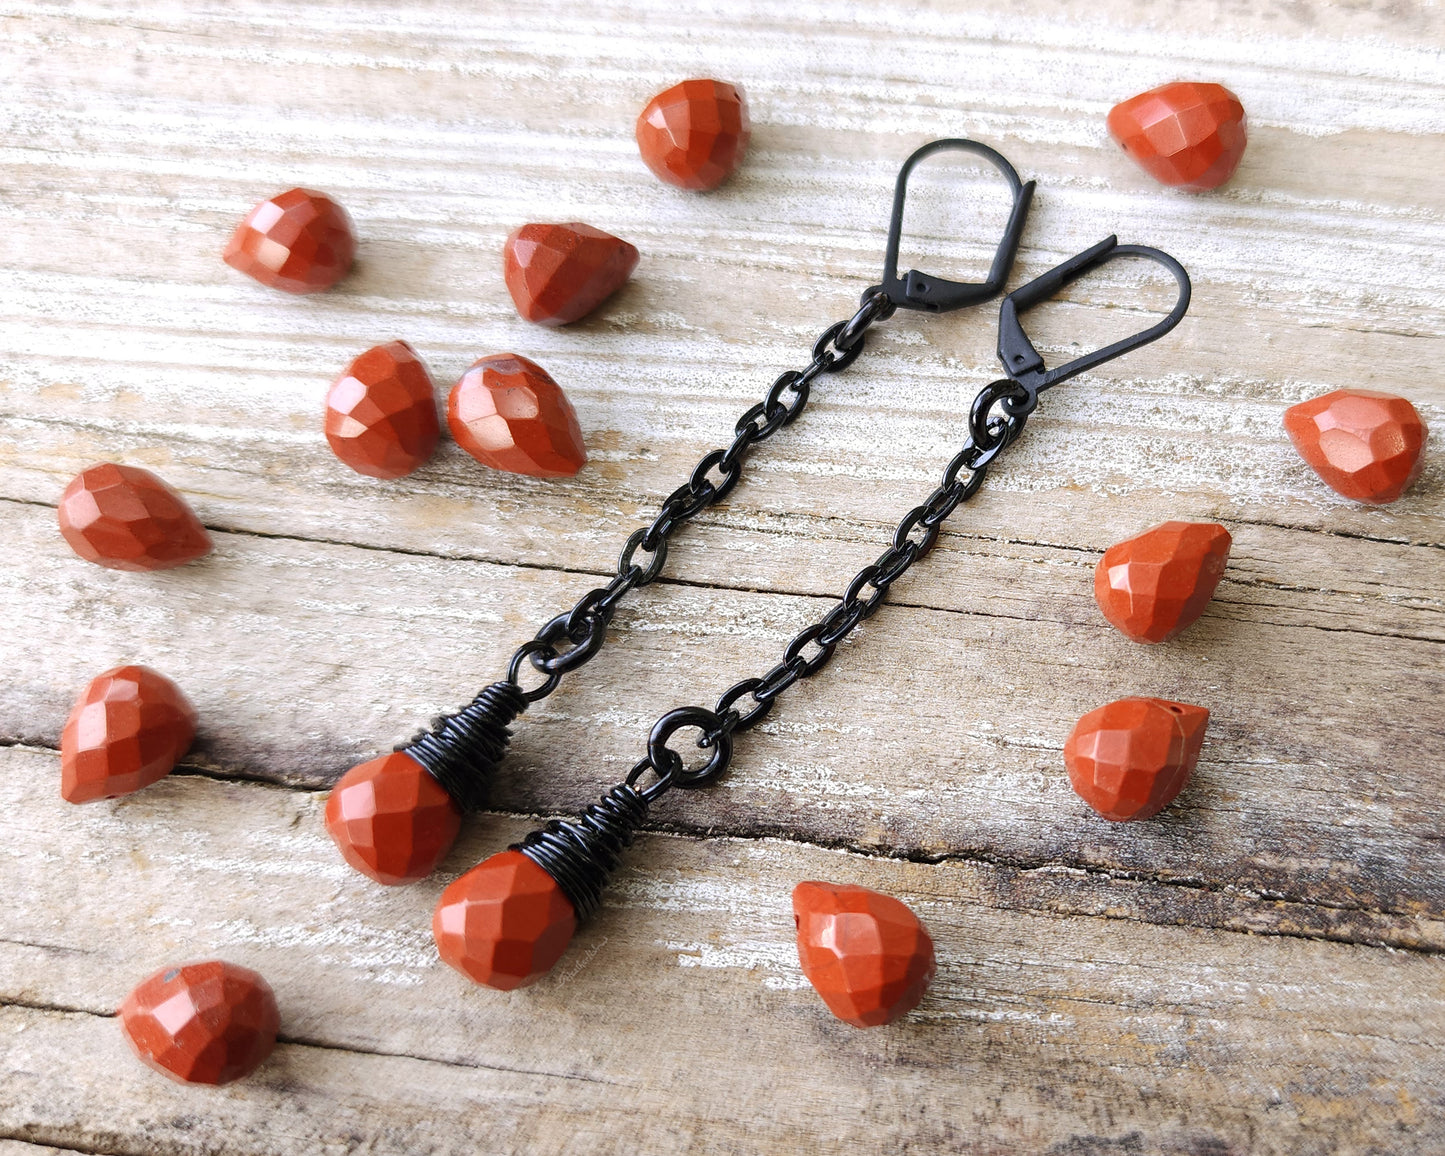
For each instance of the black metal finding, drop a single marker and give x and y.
(581, 855)
(462, 750)
(917, 290)
(1022, 362)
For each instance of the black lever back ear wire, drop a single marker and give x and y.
(1022, 362)
(462, 750)
(917, 290)
(579, 855)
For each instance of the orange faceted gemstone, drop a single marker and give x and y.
(866, 954)
(509, 414)
(391, 819)
(128, 729)
(504, 923)
(1153, 586)
(694, 134)
(1191, 136)
(1364, 444)
(557, 274)
(203, 1023)
(126, 518)
(1129, 759)
(299, 241)
(381, 414)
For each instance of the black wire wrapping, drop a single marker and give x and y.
(581, 855)
(462, 750)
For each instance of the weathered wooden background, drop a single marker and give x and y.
(1260, 970)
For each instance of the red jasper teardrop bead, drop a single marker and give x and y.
(128, 729)
(558, 274)
(381, 414)
(1366, 445)
(299, 241)
(694, 134)
(1187, 135)
(1154, 585)
(505, 923)
(202, 1023)
(865, 953)
(509, 414)
(126, 518)
(391, 819)
(1131, 758)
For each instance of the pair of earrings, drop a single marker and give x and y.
(507, 921)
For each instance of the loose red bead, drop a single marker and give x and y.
(1154, 585)
(558, 274)
(129, 728)
(509, 414)
(865, 953)
(391, 820)
(505, 923)
(1364, 444)
(1188, 135)
(126, 518)
(381, 414)
(299, 241)
(202, 1023)
(1131, 758)
(694, 134)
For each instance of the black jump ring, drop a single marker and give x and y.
(704, 720)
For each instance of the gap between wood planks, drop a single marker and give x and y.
(759, 832)
(321, 1045)
(18, 1144)
(831, 596)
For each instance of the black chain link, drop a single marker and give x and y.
(994, 424)
(570, 639)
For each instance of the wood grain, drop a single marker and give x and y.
(1259, 970)
(1040, 1029)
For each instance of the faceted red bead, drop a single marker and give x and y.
(126, 518)
(1188, 135)
(1152, 586)
(391, 819)
(202, 1023)
(865, 953)
(694, 134)
(1364, 444)
(128, 729)
(299, 241)
(504, 923)
(557, 274)
(509, 414)
(381, 414)
(1129, 759)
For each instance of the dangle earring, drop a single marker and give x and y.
(394, 817)
(509, 919)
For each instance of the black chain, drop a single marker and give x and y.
(996, 419)
(570, 639)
